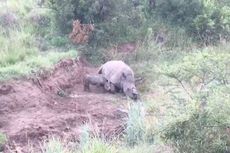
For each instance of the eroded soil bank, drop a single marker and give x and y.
(53, 103)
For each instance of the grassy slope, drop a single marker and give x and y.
(19, 52)
(34, 62)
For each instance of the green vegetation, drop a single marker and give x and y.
(183, 54)
(25, 33)
(34, 63)
(3, 140)
(54, 145)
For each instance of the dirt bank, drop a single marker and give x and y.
(53, 103)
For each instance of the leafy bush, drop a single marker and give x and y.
(198, 72)
(204, 131)
(180, 12)
(206, 20)
(114, 20)
(213, 24)
(204, 77)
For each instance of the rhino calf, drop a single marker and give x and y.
(97, 80)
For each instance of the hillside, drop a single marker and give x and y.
(180, 54)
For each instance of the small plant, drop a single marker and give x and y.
(54, 145)
(135, 131)
(3, 140)
(93, 144)
(99, 146)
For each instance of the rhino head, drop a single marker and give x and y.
(129, 88)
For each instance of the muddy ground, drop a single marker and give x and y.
(54, 103)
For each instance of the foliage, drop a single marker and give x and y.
(114, 20)
(213, 24)
(202, 132)
(2, 139)
(198, 72)
(42, 21)
(15, 46)
(179, 11)
(206, 20)
(204, 77)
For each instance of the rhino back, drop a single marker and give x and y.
(112, 71)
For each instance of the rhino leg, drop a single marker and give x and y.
(86, 83)
(112, 88)
(107, 86)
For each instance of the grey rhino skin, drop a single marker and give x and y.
(119, 76)
(95, 79)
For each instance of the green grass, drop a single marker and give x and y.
(34, 63)
(54, 145)
(3, 138)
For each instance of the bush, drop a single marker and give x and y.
(213, 24)
(114, 20)
(198, 72)
(206, 20)
(203, 126)
(205, 130)
(180, 12)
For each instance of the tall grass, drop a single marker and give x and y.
(16, 46)
(54, 145)
(20, 50)
(135, 130)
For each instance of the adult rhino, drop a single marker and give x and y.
(119, 76)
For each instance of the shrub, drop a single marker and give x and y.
(179, 11)
(198, 72)
(204, 130)
(206, 20)
(203, 126)
(213, 24)
(114, 20)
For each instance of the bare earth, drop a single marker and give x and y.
(54, 103)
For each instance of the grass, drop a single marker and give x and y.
(54, 145)
(34, 63)
(2, 138)
(20, 52)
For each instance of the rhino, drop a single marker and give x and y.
(95, 79)
(115, 76)
(120, 77)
